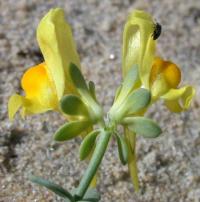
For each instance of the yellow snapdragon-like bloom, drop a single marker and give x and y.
(46, 83)
(160, 77)
(138, 44)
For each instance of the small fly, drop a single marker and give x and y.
(157, 31)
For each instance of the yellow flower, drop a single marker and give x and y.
(46, 83)
(165, 77)
(138, 44)
(161, 77)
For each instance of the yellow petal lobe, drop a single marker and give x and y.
(56, 42)
(178, 100)
(172, 74)
(164, 76)
(39, 89)
(14, 104)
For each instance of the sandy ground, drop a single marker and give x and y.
(169, 167)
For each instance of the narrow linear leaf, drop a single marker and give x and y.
(71, 130)
(73, 105)
(143, 126)
(52, 186)
(92, 90)
(77, 77)
(91, 195)
(87, 144)
(83, 90)
(122, 149)
(129, 82)
(117, 93)
(123, 93)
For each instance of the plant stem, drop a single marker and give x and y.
(94, 180)
(94, 163)
(132, 160)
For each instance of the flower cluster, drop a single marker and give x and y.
(58, 84)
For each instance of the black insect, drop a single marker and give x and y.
(157, 31)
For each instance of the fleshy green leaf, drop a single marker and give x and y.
(88, 144)
(71, 130)
(117, 93)
(73, 105)
(53, 187)
(143, 126)
(137, 100)
(128, 83)
(77, 78)
(122, 149)
(92, 90)
(91, 195)
(79, 82)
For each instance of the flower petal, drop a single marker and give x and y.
(138, 44)
(27, 107)
(39, 90)
(33, 107)
(14, 104)
(58, 48)
(159, 87)
(168, 70)
(178, 100)
(164, 76)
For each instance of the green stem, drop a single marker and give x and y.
(132, 160)
(93, 164)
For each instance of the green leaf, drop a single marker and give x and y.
(137, 100)
(53, 187)
(122, 149)
(71, 130)
(88, 144)
(94, 163)
(128, 83)
(143, 126)
(92, 90)
(79, 82)
(117, 92)
(77, 77)
(73, 105)
(91, 195)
